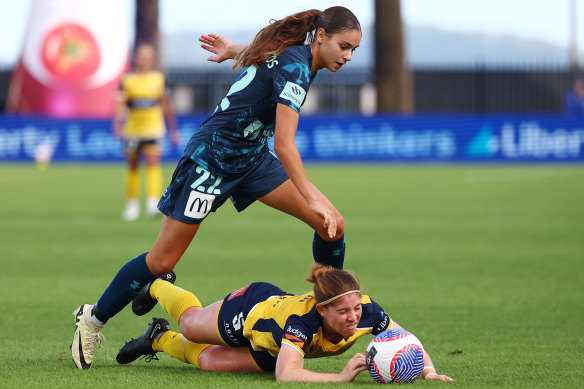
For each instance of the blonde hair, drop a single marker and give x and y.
(331, 283)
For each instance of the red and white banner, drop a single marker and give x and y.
(73, 57)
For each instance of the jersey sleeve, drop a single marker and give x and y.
(297, 334)
(373, 316)
(291, 76)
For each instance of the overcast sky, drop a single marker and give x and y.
(543, 20)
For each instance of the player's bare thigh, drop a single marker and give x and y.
(152, 154)
(199, 325)
(225, 358)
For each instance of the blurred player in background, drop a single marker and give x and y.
(228, 156)
(262, 328)
(574, 100)
(143, 104)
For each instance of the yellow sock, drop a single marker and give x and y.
(177, 346)
(173, 299)
(153, 181)
(132, 184)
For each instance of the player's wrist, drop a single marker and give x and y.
(428, 371)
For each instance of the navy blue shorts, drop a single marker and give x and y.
(232, 315)
(194, 191)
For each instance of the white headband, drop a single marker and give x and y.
(340, 295)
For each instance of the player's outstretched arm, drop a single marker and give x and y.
(287, 151)
(220, 46)
(429, 371)
(290, 367)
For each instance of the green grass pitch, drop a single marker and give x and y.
(485, 264)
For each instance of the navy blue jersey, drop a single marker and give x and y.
(235, 137)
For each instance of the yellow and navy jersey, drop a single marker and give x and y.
(143, 94)
(295, 321)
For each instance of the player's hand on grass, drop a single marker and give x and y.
(218, 45)
(437, 377)
(354, 366)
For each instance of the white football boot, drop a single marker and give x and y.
(132, 210)
(152, 207)
(87, 336)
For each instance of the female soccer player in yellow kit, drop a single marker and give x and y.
(144, 105)
(262, 328)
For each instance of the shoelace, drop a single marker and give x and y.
(149, 357)
(97, 339)
(146, 357)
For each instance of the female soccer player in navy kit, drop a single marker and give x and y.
(228, 157)
(262, 328)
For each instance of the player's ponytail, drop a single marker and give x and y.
(331, 283)
(294, 30)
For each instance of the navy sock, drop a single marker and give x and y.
(329, 253)
(132, 277)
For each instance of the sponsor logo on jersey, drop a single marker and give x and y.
(384, 322)
(296, 333)
(295, 340)
(272, 61)
(230, 334)
(198, 205)
(293, 93)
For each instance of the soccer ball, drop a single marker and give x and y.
(395, 356)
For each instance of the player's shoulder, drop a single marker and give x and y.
(369, 305)
(365, 299)
(295, 54)
(373, 315)
(156, 76)
(128, 77)
(302, 306)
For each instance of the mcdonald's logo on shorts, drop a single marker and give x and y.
(199, 205)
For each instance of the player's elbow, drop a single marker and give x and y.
(284, 373)
(282, 376)
(281, 146)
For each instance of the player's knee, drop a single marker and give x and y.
(160, 264)
(186, 331)
(340, 225)
(188, 325)
(164, 267)
(206, 360)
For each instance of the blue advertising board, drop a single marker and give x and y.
(415, 138)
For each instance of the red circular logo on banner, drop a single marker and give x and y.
(70, 52)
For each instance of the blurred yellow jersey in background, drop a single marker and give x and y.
(143, 94)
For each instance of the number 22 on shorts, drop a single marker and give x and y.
(204, 176)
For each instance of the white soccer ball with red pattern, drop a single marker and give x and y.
(395, 356)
